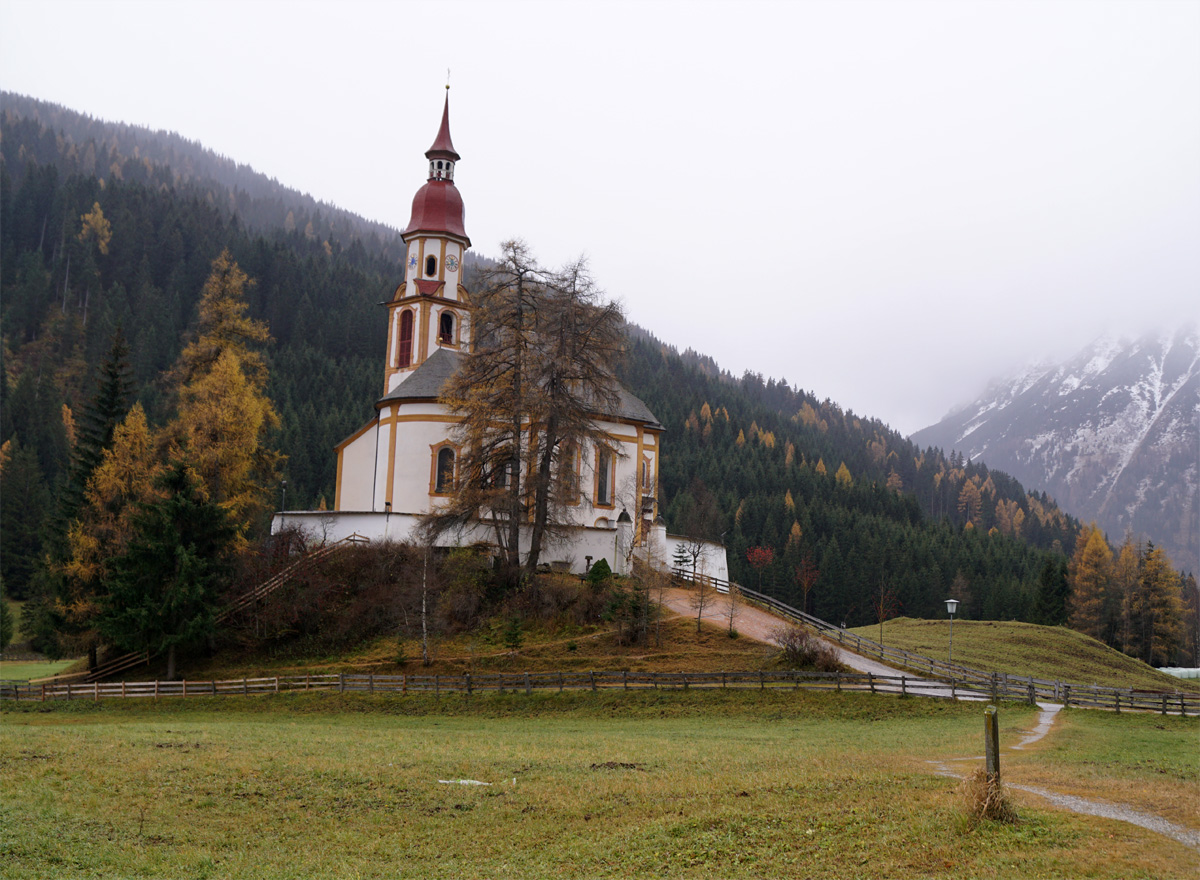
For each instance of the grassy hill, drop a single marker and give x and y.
(1048, 652)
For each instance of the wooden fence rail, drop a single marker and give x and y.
(467, 684)
(1001, 684)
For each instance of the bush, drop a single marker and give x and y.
(800, 649)
(599, 574)
(986, 799)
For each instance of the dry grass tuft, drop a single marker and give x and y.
(986, 799)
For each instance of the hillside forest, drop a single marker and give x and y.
(110, 233)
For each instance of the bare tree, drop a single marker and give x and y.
(704, 595)
(885, 603)
(734, 596)
(529, 393)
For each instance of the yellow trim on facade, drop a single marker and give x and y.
(339, 447)
(434, 450)
(337, 483)
(391, 468)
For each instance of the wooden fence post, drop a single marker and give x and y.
(1066, 696)
(95, 690)
(839, 680)
(341, 682)
(995, 688)
(277, 684)
(468, 684)
(1164, 702)
(625, 679)
(871, 682)
(592, 675)
(437, 691)
(1117, 700)
(371, 683)
(185, 687)
(1032, 695)
(528, 687)
(245, 687)
(991, 743)
(68, 690)
(156, 688)
(403, 685)
(560, 682)
(904, 686)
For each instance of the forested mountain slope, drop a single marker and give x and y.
(770, 466)
(41, 133)
(868, 508)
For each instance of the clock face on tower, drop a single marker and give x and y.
(412, 261)
(452, 264)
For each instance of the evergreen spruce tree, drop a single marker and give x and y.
(1053, 590)
(162, 592)
(104, 411)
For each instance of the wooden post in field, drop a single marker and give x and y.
(991, 744)
(528, 687)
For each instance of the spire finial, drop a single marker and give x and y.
(447, 79)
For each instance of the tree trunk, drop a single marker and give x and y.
(541, 505)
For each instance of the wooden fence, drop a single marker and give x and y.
(1001, 684)
(996, 689)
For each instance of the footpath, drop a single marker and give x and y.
(755, 623)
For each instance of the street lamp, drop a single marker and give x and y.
(951, 606)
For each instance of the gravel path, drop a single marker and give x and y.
(755, 623)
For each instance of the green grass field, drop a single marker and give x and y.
(674, 784)
(1025, 649)
(21, 670)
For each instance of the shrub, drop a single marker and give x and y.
(800, 649)
(599, 574)
(986, 799)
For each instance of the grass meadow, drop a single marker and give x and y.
(1047, 652)
(659, 784)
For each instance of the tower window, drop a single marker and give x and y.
(446, 328)
(431, 266)
(404, 347)
(443, 480)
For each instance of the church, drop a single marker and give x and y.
(403, 463)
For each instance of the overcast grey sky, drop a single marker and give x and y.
(887, 203)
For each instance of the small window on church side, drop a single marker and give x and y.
(604, 477)
(446, 328)
(431, 266)
(444, 478)
(404, 347)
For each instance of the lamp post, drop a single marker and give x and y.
(951, 606)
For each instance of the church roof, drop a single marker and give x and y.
(437, 207)
(426, 383)
(443, 147)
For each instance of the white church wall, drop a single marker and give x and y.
(356, 463)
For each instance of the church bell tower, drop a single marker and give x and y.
(429, 309)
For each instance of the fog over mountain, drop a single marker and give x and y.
(1113, 433)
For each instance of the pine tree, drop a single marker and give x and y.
(103, 412)
(1090, 572)
(1155, 610)
(224, 415)
(161, 593)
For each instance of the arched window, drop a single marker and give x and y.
(404, 347)
(431, 266)
(604, 476)
(446, 328)
(443, 480)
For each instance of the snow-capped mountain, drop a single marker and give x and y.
(1112, 433)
